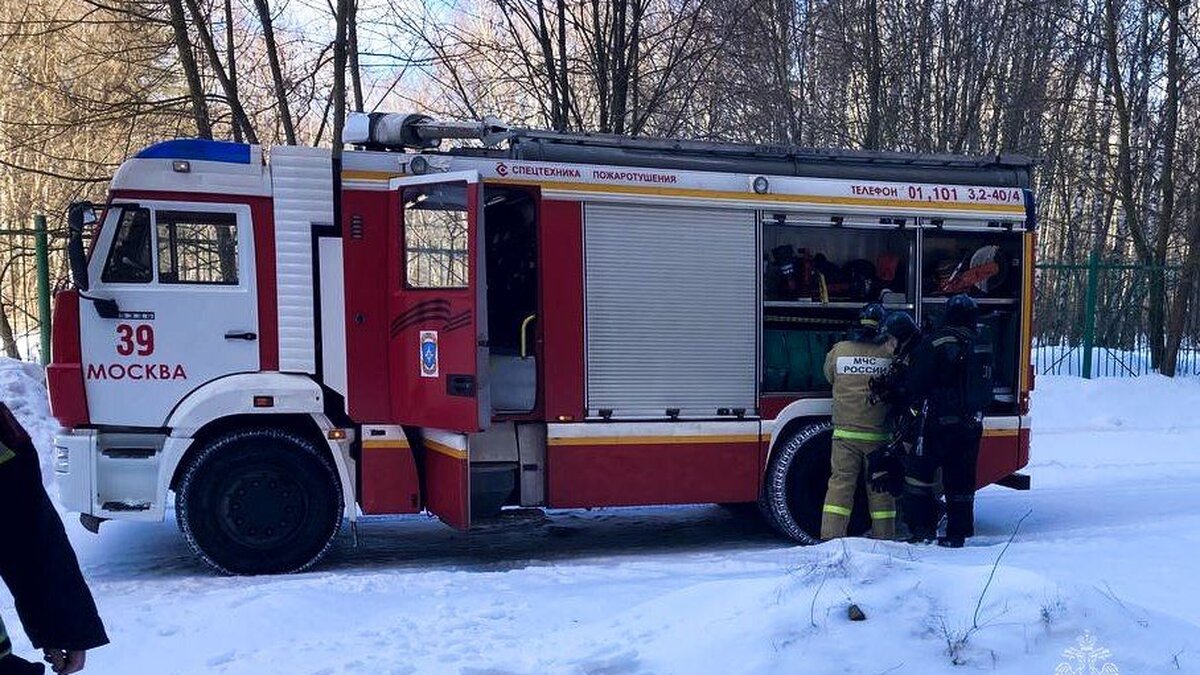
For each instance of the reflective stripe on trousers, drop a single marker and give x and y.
(848, 467)
(854, 435)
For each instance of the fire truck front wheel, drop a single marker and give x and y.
(795, 484)
(259, 501)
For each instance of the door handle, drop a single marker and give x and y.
(240, 335)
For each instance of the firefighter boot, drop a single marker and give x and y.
(920, 511)
(960, 516)
(847, 464)
(883, 514)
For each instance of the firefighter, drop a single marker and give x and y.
(889, 386)
(860, 426)
(949, 374)
(885, 466)
(39, 566)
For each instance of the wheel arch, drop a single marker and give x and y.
(227, 404)
(794, 417)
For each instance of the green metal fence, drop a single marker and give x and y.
(1092, 319)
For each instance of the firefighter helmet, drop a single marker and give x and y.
(901, 326)
(961, 311)
(871, 318)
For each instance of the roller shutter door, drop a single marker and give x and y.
(671, 310)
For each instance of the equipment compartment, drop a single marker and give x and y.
(987, 266)
(817, 275)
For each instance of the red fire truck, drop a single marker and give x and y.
(529, 318)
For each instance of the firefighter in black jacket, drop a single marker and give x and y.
(950, 372)
(39, 566)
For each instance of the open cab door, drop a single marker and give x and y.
(438, 346)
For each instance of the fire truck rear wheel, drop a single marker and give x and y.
(260, 501)
(794, 487)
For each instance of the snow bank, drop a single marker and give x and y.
(23, 390)
(927, 611)
(1146, 403)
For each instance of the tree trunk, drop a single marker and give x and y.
(183, 47)
(231, 59)
(352, 53)
(1158, 289)
(563, 85)
(1184, 290)
(281, 93)
(339, 79)
(618, 60)
(871, 140)
(7, 340)
(558, 116)
(235, 103)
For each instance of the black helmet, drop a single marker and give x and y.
(901, 326)
(961, 311)
(871, 317)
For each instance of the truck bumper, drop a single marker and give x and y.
(73, 468)
(110, 476)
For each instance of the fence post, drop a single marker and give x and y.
(1089, 312)
(43, 285)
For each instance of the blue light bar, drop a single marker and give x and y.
(198, 149)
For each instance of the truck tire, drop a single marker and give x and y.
(795, 483)
(259, 501)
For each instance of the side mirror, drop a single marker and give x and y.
(79, 216)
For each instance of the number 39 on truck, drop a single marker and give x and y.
(455, 318)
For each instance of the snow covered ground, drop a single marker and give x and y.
(1105, 559)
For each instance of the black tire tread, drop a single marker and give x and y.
(218, 445)
(774, 501)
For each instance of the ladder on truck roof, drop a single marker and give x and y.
(390, 131)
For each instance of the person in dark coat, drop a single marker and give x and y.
(948, 373)
(39, 566)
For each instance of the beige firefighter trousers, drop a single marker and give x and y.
(850, 462)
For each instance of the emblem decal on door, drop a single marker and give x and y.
(429, 353)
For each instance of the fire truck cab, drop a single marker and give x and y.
(528, 318)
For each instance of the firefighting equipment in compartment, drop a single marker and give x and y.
(854, 281)
(859, 427)
(887, 267)
(791, 271)
(791, 274)
(36, 560)
(985, 270)
(951, 370)
(793, 359)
